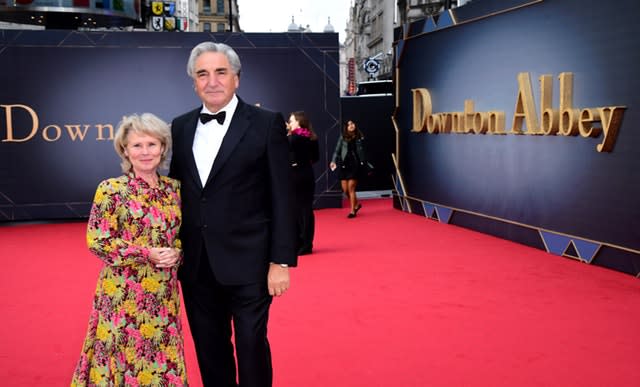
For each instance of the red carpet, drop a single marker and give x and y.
(387, 299)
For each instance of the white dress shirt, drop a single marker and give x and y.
(208, 139)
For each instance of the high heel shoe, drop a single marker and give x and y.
(351, 215)
(358, 207)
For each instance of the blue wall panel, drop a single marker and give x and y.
(556, 183)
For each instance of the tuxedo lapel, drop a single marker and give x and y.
(237, 128)
(190, 133)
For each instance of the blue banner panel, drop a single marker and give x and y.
(527, 112)
(64, 93)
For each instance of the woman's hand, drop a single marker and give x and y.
(164, 257)
(333, 166)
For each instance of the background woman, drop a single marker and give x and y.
(349, 157)
(135, 334)
(304, 151)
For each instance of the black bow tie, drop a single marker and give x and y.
(206, 117)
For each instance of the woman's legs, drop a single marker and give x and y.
(351, 194)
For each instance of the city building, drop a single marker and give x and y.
(218, 16)
(368, 47)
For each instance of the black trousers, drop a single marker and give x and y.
(304, 185)
(211, 310)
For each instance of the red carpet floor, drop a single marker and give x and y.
(387, 299)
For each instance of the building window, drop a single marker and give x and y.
(221, 27)
(206, 27)
(220, 7)
(206, 7)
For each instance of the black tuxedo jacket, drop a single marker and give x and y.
(243, 215)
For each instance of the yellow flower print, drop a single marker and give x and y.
(130, 354)
(99, 196)
(171, 307)
(130, 307)
(172, 353)
(145, 378)
(150, 284)
(109, 287)
(102, 332)
(96, 376)
(147, 330)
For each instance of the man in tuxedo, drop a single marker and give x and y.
(238, 228)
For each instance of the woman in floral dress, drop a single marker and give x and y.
(134, 336)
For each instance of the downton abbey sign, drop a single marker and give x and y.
(563, 121)
(50, 132)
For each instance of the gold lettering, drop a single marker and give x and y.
(9, 118)
(446, 122)
(611, 117)
(74, 131)
(468, 116)
(433, 123)
(496, 122)
(585, 127)
(568, 115)
(457, 122)
(421, 109)
(549, 122)
(565, 121)
(58, 133)
(569, 122)
(525, 107)
(101, 136)
(548, 117)
(480, 123)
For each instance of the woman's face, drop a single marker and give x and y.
(144, 152)
(351, 126)
(293, 123)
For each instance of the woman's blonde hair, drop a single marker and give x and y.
(145, 123)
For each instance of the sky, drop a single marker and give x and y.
(275, 15)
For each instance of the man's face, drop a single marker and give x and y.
(214, 81)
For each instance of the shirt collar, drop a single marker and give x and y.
(230, 107)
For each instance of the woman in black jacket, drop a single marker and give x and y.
(304, 151)
(349, 157)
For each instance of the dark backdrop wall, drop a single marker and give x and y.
(372, 115)
(62, 89)
(553, 192)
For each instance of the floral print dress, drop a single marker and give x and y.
(134, 336)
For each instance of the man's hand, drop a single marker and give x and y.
(278, 279)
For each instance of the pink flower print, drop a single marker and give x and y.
(161, 358)
(174, 380)
(130, 380)
(163, 313)
(135, 207)
(155, 213)
(133, 285)
(134, 333)
(126, 235)
(172, 330)
(121, 358)
(119, 317)
(146, 222)
(129, 251)
(103, 226)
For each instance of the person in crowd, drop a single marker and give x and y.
(135, 332)
(304, 152)
(350, 160)
(238, 232)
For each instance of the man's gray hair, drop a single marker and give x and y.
(234, 59)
